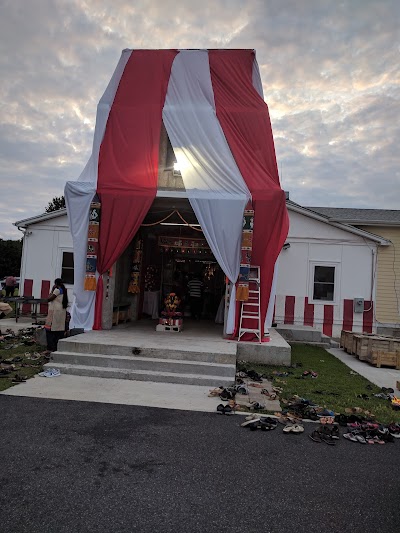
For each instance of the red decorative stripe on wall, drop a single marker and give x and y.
(368, 316)
(44, 293)
(308, 313)
(328, 320)
(348, 315)
(289, 310)
(28, 287)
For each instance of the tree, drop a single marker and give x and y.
(58, 202)
(10, 257)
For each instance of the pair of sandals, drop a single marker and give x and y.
(363, 438)
(293, 428)
(270, 395)
(19, 379)
(225, 409)
(265, 423)
(327, 434)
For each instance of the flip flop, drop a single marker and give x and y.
(315, 436)
(350, 436)
(253, 416)
(248, 423)
(288, 428)
(50, 373)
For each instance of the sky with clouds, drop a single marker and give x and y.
(330, 71)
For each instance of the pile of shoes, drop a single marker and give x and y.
(372, 433)
(327, 433)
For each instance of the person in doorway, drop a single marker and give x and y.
(56, 317)
(195, 289)
(11, 283)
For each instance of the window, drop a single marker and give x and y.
(67, 268)
(324, 283)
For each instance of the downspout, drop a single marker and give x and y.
(373, 267)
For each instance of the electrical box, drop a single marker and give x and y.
(358, 305)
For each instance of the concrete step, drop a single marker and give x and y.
(184, 352)
(152, 364)
(299, 333)
(139, 375)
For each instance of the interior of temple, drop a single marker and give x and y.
(168, 251)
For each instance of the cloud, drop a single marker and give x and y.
(330, 74)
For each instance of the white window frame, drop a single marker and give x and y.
(336, 292)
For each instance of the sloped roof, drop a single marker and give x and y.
(360, 216)
(179, 199)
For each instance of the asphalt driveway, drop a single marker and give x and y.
(88, 467)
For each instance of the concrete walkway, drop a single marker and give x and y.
(383, 377)
(125, 392)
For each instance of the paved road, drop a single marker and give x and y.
(89, 467)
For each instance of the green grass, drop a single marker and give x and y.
(339, 387)
(5, 382)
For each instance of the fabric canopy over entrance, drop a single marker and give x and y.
(212, 106)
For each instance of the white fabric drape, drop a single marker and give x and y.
(214, 184)
(215, 187)
(78, 196)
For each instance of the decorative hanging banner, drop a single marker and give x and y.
(134, 283)
(92, 246)
(183, 245)
(242, 291)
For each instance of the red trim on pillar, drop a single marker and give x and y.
(289, 310)
(348, 315)
(308, 313)
(328, 320)
(368, 316)
(44, 293)
(28, 288)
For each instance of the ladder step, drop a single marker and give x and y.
(246, 330)
(254, 292)
(254, 317)
(250, 303)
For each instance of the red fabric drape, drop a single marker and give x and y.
(128, 158)
(244, 118)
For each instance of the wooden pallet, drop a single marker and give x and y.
(380, 357)
(346, 341)
(367, 344)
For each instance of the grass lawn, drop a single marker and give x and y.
(5, 381)
(339, 387)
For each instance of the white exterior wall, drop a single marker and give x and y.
(44, 244)
(313, 242)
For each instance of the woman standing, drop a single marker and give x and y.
(55, 321)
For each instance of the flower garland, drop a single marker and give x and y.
(172, 303)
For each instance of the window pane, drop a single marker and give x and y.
(325, 274)
(68, 260)
(67, 269)
(323, 291)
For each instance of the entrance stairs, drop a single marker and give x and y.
(296, 334)
(161, 357)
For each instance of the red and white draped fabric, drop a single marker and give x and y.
(219, 128)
